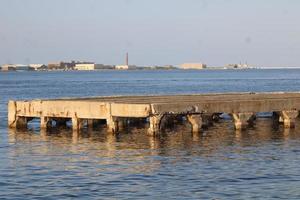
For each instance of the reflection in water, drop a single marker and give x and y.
(212, 141)
(136, 163)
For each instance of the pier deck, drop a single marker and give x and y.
(116, 110)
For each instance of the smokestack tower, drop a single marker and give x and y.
(127, 62)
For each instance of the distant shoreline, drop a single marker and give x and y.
(206, 69)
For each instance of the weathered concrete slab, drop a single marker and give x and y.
(226, 106)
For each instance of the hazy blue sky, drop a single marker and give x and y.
(216, 32)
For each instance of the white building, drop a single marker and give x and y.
(37, 66)
(85, 66)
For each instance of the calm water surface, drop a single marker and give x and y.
(261, 162)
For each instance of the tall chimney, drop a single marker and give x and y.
(127, 59)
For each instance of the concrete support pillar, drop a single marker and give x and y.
(289, 117)
(45, 122)
(155, 124)
(242, 120)
(196, 121)
(112, 125)
(77, 124)
(11, 115)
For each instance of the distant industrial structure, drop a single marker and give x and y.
(193, 66)
(126, 66)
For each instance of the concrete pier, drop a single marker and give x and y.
(119, 112)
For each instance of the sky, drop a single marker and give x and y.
(154, 32)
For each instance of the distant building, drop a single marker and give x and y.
(55, 65)
(61, 65)
(37, 67)
(193, 66)
(8, 67)
(66, 65)
(122, 67)
(125, 67)
(102, 66)
(165, 67)
(15, 67)
(22, 67)
(238, 66)
(85, 66)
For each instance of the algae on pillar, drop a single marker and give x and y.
(242, 120)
